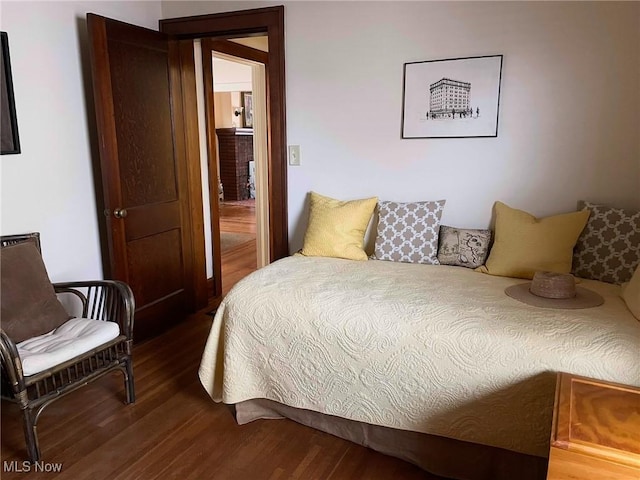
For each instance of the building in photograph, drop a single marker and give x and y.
(449, 97)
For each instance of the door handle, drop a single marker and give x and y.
(120, 212)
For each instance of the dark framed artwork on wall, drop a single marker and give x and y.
(452, 98)
(9, 140)
(247, 110)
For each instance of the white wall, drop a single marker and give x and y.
(569, 107)
(230, 76)
(49, 187)
(568, 119)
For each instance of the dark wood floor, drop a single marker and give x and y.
(240, 260)
(238, 216)
(174, 430)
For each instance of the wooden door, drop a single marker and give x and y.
(140, 122)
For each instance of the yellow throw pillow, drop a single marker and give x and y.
(525, 244)
(631, 294)
(336, 228)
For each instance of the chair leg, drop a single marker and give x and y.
(128, 381)
(31, 435)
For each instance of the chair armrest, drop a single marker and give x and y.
(108, 300)
(11, 363)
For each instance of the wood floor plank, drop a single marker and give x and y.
(238, 261)
(238, 217)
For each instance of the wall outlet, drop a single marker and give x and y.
(294, 155)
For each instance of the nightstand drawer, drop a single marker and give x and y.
(568, 465)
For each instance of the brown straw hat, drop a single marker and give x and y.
(554, 290)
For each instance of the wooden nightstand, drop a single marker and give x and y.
(596, 431)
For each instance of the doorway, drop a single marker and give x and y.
(267, 22)
(169, 278)
(233, 90)
(239, 107)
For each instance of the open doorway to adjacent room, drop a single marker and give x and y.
(233, 100)
(220, 33)
(235, 94)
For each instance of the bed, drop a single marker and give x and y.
(425, 362)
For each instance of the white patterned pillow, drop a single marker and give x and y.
(608, 248)
(408, 232)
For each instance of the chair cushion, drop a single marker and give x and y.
(75, 337)
(29, 305)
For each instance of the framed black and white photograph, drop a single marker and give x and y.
(9, 140)
(247, 110)
(453, 98)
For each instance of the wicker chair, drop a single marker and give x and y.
(99, 300)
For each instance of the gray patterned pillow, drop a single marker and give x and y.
(463, 247)
(608, 248)
(408, 232)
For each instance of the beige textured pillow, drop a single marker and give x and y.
(525, 244)
(631, 294)
(336, 228)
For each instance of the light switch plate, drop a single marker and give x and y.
(294, 155)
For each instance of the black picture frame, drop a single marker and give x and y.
(452, 98)
(247, 110)
(9, 139)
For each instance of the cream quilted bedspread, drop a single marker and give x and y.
(433, 349)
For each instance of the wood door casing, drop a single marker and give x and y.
(212, 156)
(269, 21)
(192, 145)
(208, 46)
(138, 93)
